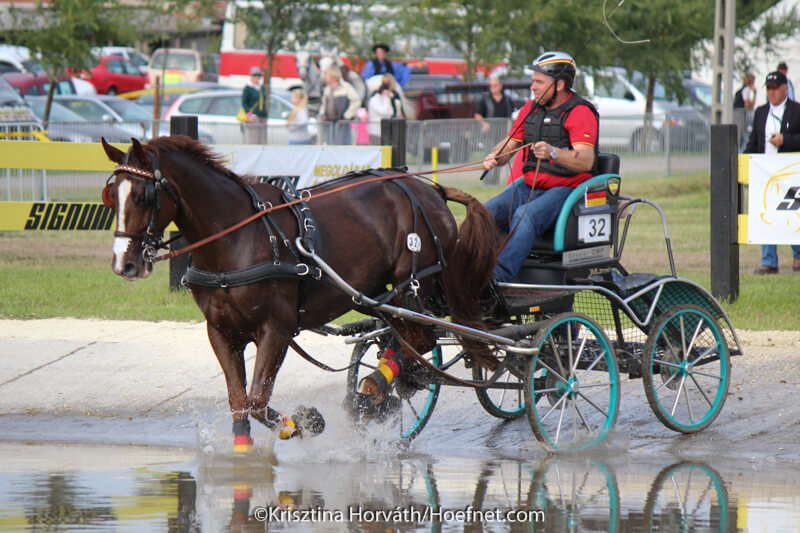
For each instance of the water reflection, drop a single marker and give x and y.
(176, 491)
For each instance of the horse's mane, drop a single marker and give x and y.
(194, 149)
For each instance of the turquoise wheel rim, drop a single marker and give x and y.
(594, 388)
(686, 489)
(694, 326)
(488, 396)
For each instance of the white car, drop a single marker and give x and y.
(123, 114)
(216, 111)
(131, 54)
(621, 108)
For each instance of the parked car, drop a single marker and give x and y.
(65, 125)
(623, 124)
(13, 109)
(131, 54)
(126, 116)
(461, 100)
(182, 65)
(146, 97)
(216, 111)
(114, 75)
(17, 59)
(38, 83)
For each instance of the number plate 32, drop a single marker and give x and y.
(594, 228)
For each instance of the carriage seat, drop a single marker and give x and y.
(596, 196)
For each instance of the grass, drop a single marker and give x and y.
(68, 274)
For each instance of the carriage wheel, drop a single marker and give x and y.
(505, 399)
(577, 357)
(687, 497)
(415, 399)
(576, 495)
(686, 369)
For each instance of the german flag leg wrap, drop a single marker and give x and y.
(390, 365)
(242, 443)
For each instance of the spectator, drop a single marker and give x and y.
(495, 104)
(340, 101)
(297, 121)
(783, 69)
(776, 128)
(743, 104)
(560, 128)
(380, 64)
(384, 102)
(253, 102)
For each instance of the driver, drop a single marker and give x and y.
(562, 128)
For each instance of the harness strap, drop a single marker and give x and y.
(302, 353)
(261, 207)
(387, 296)
(249, 275)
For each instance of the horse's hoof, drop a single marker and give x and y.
(309, 421)
(242, 444)
(369, 408)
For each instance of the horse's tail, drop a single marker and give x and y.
(470, 268)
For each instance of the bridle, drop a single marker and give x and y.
(152, 240)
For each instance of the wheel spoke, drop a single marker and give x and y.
(712, 376)
(694, 336)
(578, 357)
(702, 392)
(583, 419)
(677, 397)
(667, 363)
(683, 337)
(554, 406)
(688, 402)
(704, 353)
(411, 406)
(673, 376)
(589, 369)
(570, 349)
(554, 372)
(561, 418)
(557, 355)
(590, 402)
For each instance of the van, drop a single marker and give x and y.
(621, 106)
(182, 65)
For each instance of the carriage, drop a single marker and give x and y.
(551, 345)
(579, 320)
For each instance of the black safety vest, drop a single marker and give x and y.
(738, 98)
(548, 125)
(376, 65)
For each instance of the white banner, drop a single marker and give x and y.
(313, 164)
(774, 199)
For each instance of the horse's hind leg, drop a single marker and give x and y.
(270, 355)
(231, 359)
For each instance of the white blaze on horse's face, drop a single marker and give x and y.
(127, 261)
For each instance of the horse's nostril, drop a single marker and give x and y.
(130, 270)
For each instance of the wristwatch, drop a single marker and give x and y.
(553, 153)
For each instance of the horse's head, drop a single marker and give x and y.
(135, 191)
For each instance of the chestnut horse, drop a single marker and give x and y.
(362, 234)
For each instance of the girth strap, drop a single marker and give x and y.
(249, 275)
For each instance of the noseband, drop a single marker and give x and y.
(155, 183)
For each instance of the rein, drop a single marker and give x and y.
(307, 196)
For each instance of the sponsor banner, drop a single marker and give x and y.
(36, 216)
(312, 164)
(774, 199)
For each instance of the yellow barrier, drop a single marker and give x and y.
(41, 135)
(56, 156)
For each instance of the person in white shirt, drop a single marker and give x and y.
(297, 121)
(776, 128)
(384, 102)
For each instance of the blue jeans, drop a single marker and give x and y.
(541, 214)
(769, 254)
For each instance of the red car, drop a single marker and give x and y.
(114, 75)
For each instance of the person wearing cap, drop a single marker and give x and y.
(784, 69)
(254, 103)
(558, 129)
(776, 129)
(380, 64)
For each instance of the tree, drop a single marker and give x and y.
(63, 32)
(275, 24)
(479, 28)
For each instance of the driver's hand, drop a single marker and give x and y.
(542, 150)
(490, 161)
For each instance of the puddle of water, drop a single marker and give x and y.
(73, 487)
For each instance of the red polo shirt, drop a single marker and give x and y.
(581, 125)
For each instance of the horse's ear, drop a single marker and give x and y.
(114, 154)
(137, 151)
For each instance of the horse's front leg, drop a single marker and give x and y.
(269, 357)
(231, 358)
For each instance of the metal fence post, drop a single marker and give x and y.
(725, 204)
(178, 265)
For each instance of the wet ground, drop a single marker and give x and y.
(123, 427)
